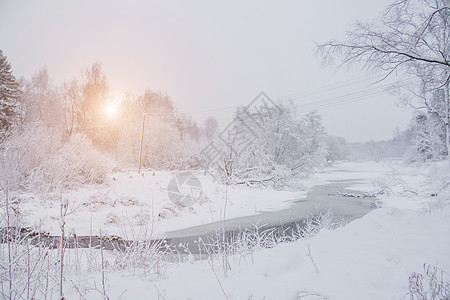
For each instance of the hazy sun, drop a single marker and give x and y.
(110, 109)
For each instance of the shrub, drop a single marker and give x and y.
(39, 159)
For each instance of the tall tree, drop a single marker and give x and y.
(211, 128)
(9, 94)
(427, 137)
(95, 94)
(71, 98)
(41, 100)
(413, 37)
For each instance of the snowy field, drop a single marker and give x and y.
(370, 258)
(128, 199)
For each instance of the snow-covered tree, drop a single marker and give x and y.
(280, 147)
(41, 102)
(338, 149)
(400, 143)
(211, 129)
(39, 155)
(170, 138)
(315, 149)
(435, 111)
(71, 98)
(91, 109)
(412, 38)
(428, 137)
(156, 104)
(9, 94)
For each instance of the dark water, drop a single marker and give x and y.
(283, 222)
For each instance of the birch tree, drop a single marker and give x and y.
(71, 97)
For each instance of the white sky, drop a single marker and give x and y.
(208, 56)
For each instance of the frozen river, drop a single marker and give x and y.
(320, 199)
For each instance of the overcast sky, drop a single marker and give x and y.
(208, 56)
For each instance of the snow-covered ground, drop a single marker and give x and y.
(369, 258)
(130, 199)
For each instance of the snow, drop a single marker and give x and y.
(130, 199)
(369, 258)
(141, 200)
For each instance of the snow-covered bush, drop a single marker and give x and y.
(77, 161)
(144, 257)
(31, 270)
(39, 158)
(316, 222)
(434, 284)
(28, 267)
(142, 252)
(24, 153)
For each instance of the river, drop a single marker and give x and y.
(320, 198)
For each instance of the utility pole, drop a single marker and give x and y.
(142, 142)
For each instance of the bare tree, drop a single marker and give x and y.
(413, 37)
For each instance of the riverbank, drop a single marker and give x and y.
(385, 253)
(129, 200)
(389, 253)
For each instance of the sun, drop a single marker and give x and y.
(111, 109)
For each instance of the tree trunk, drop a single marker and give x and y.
(447, 84)
(447, 121)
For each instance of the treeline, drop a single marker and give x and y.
(74, 133)
(423, 140)
(58, 135)
(411, 40)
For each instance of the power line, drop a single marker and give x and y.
(379, 89)
(311, 92)
(330, 87)
(360, 95)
